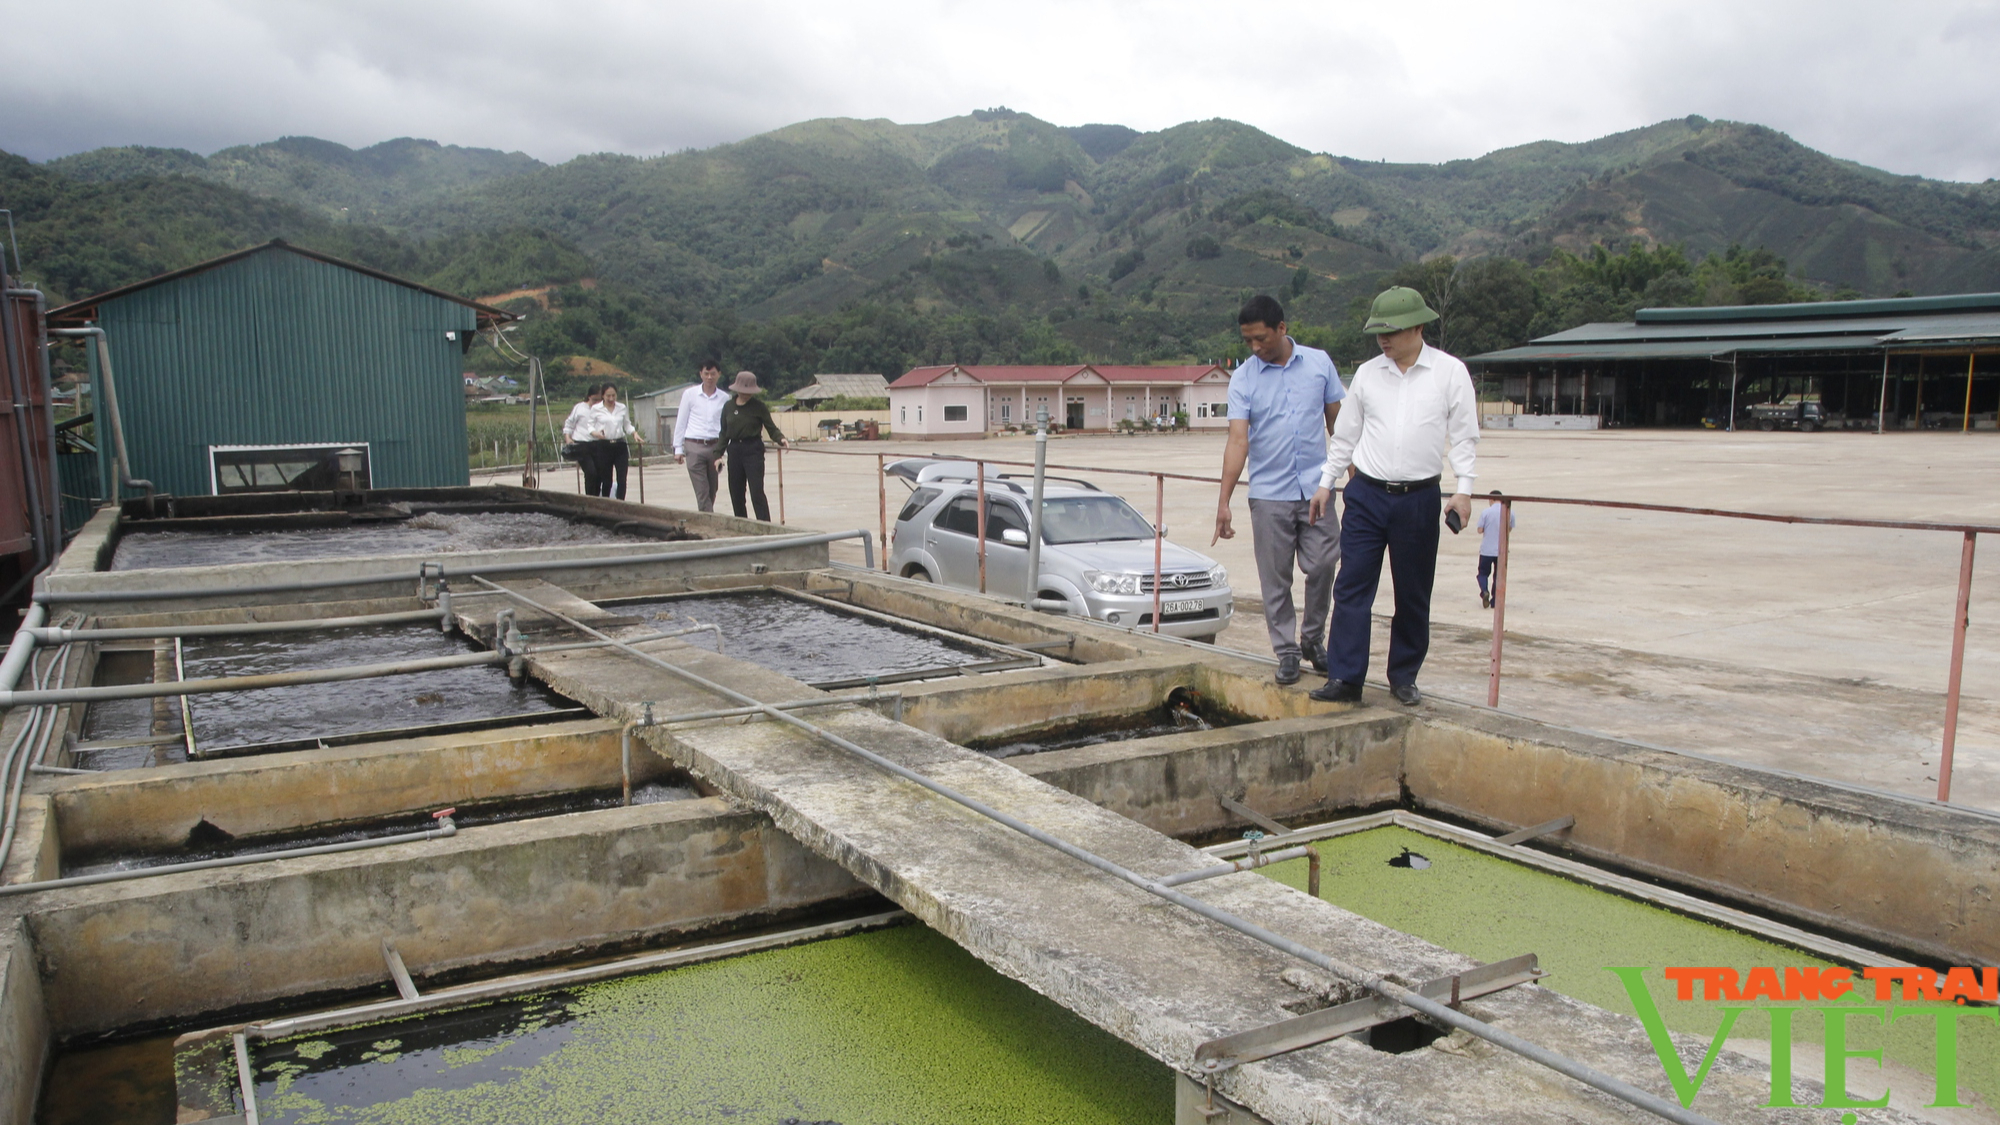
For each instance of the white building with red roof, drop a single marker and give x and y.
(972, 400)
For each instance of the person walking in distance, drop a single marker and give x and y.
(1282, 403)
(745, 420)
(613, 422)
(698, 434)
(1406, 409)
(1489, 545)
(576, 438)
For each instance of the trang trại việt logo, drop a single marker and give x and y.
(1782, 993)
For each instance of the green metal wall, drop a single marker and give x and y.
(279, 349)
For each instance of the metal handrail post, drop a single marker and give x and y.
(1958, 624)
(882, 503)
(981, 465)
(1499, 606)
(781, 482)
(1159, 538)
(1966, 419)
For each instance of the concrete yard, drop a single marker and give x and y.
(1822, 650)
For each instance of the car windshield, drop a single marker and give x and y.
(1091, 519)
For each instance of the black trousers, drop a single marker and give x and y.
(617, 459)
(746, 471)
(589, 460)
(1405, 526)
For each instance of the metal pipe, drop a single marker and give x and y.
(770, 543)
(981, 468)
(625, 759)
(781, 482)
(1159, 537)
(1966, 425)
(1034, 591)
(251, 683)
(244, 1081)
(444, 828)
(882, 503)
(1499, 607)
(795, 705)
(1882, 407)
(1958, 626)
(1247, 863)
(187, 710)
(123, 461)
(13, 778)
(1375, 983)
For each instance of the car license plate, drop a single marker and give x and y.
(1178, 607)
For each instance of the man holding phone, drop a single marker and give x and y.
(1406, 408)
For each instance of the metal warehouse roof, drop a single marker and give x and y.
(77, 312)
(1908, 323)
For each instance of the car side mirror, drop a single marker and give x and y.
(1014, 535)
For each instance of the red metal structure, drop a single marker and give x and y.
(30, 501)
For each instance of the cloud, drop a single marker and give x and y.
(1454, 80)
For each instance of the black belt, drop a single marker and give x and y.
(1398, 487)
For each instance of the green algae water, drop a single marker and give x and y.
(894, 1026)
(1488, 908)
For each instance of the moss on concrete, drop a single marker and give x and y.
(895, 1026)
(1490, 909)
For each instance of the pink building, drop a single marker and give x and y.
(967, 401)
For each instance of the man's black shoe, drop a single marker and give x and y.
(1406, 694)
(1337, 691)
(1313, 653)
(1288, 668)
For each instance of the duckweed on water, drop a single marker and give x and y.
(894, 1026)
(1488, 908)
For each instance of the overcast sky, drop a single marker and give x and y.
(1910, 87)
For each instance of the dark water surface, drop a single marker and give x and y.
(805, 641)
(430, 532)
(1179, 714)
(318, 710)
(894, 1026)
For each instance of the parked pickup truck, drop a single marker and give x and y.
(1804, 417)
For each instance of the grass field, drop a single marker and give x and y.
(504, 425)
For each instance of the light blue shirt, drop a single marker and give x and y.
(1489, 530)
(1286, 409)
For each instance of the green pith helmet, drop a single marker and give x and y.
(1397, 309)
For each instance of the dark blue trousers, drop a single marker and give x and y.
(1406, 527)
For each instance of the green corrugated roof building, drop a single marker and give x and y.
(246, 372)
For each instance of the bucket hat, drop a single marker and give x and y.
(745, 384)
(1396, 309)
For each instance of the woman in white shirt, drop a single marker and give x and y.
(576, 431)
(610, 426)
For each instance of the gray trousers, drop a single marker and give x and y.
(701, 459)
(1280, 533)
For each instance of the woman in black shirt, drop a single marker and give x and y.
(745, 420)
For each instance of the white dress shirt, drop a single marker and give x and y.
(699, 417)
(615, 422)
(1397, 423)
(573, 428)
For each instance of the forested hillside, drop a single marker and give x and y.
(855, 245)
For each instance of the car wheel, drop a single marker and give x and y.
(1808, 427)
(1767, 425)
(919, 573)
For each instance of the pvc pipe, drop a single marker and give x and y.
(1034, 591)
(796, 705)
(445, 828)
(1381, 986)
(123, 462)
(772, 543)
(49, 636)
(22, 647)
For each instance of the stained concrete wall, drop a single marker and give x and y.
(1889, 870)
(24, 1027)
(131, 810)
(1283, 769)
(175, 946)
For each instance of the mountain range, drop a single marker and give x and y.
(1097, 240)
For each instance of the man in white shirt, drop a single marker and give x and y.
(1406, 409)
(698, 433)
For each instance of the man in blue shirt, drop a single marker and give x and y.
(1282, 403)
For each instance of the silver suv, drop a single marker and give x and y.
(1097, 550)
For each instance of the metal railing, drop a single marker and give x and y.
(1960, 616)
